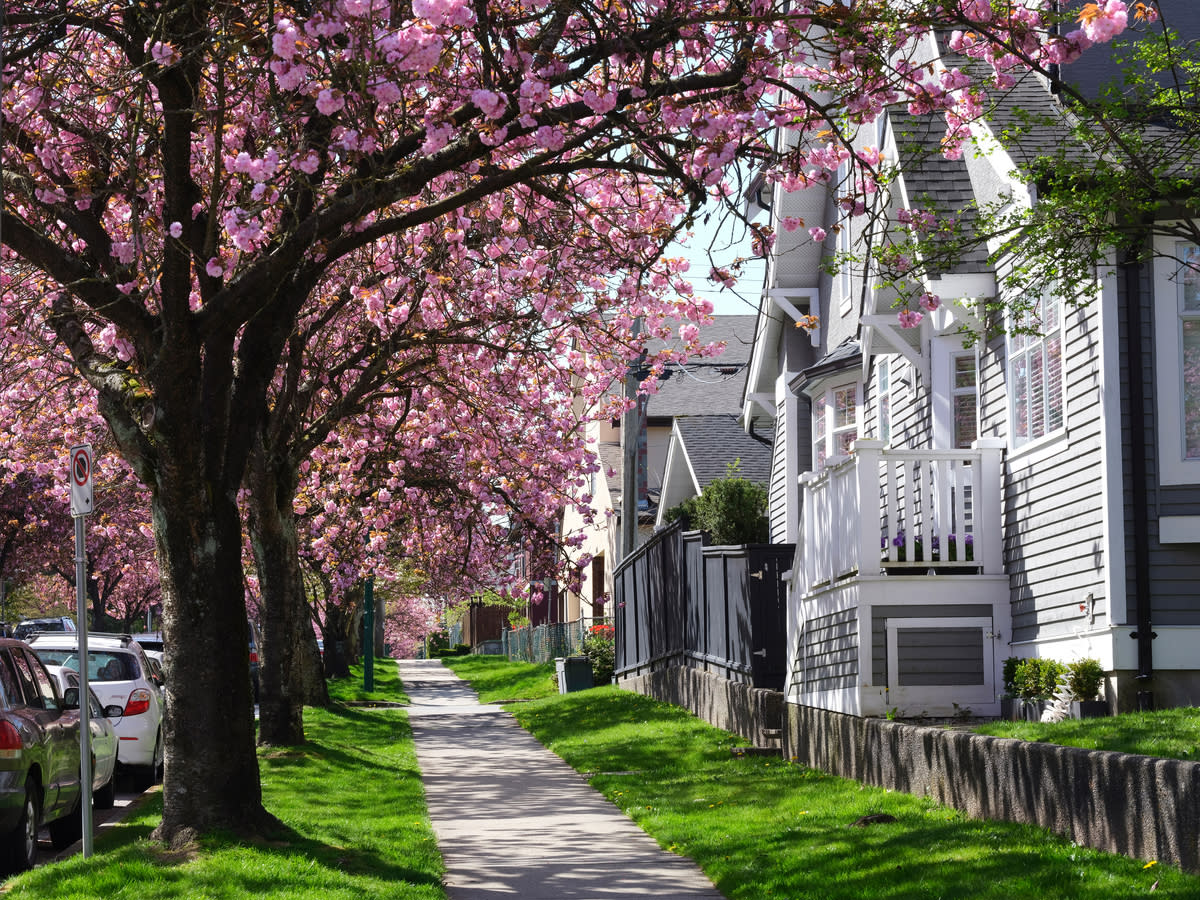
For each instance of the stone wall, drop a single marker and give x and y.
(1139, 806)
(752, 713)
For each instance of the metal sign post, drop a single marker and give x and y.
(81, 506)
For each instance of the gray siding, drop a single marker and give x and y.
(1053, 505)
(880, 614)
(828, 657)
(912, 411)
(939, 656)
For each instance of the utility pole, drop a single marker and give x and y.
(630, 435)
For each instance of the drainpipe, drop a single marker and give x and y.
(1144, 635)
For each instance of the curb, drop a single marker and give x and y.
(117, 817)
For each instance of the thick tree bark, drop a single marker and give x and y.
(309, 673)
(343, 635)
(211, 778)
(285, 608)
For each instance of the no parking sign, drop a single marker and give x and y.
(81, 480)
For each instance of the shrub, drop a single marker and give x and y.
(1084, 678)
(732, 510)
(1010, 675)
(1035, 678)
(600, 648)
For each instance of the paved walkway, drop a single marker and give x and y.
(514, 820)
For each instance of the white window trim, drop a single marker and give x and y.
(883, 365)
(844, 284)
(1168, 364)
(944, 350)
(826, 390)
(1059, 434)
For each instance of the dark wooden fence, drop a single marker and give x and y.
(723, 609)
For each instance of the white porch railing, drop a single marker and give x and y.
(901, 509)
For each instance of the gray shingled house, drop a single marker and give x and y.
(954, 504)
(702, 449)
(707, 393)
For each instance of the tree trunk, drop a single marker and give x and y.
(285, 608)
(309, 673)
(211, 779)
(343, 635)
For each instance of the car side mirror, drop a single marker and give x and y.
(71, 698)
(112, 711)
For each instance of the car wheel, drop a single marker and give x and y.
(67, 830)
(20, 850)
(106, 796)
(148, 776)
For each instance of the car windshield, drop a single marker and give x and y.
(102, 666)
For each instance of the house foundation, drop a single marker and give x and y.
(1139, 806)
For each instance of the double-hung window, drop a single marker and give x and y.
(1035, 373)
(1177, 353)
(835, 421)
(964, 399)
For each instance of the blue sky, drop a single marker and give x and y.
(731, 242)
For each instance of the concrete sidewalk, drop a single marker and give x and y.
(514, 820)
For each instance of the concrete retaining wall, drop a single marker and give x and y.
(1138, 806)
(752, 713)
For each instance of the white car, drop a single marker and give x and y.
(104, 736)
(121, 675)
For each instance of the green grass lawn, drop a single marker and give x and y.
(387, 684)
(498, 680)
(354, 810)
(761, 827)
(1170, 733)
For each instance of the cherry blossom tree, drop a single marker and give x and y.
(189, 179)
(48, 410)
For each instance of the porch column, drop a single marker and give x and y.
(809, 544)
(989, 542)
(867, 454)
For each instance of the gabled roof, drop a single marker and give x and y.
(713, 442)
(710, 385)
(933, 182)
(701, 451)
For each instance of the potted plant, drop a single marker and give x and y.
(916, 547)
(1084, 677)
(1029, 683)
(968, 553)
(902, 554)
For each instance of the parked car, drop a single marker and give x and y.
(153, 646)
(104, 735)
(28, 627)
(39, 759)
(120, 674)
(255, 649)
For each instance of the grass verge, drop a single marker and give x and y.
(498, 680)
(761, 827)
(1169, 733)
(355, 822)
(387, 684)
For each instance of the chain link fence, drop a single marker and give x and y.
(545, 643)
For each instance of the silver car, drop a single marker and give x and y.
(104, 736)
(121, 675)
